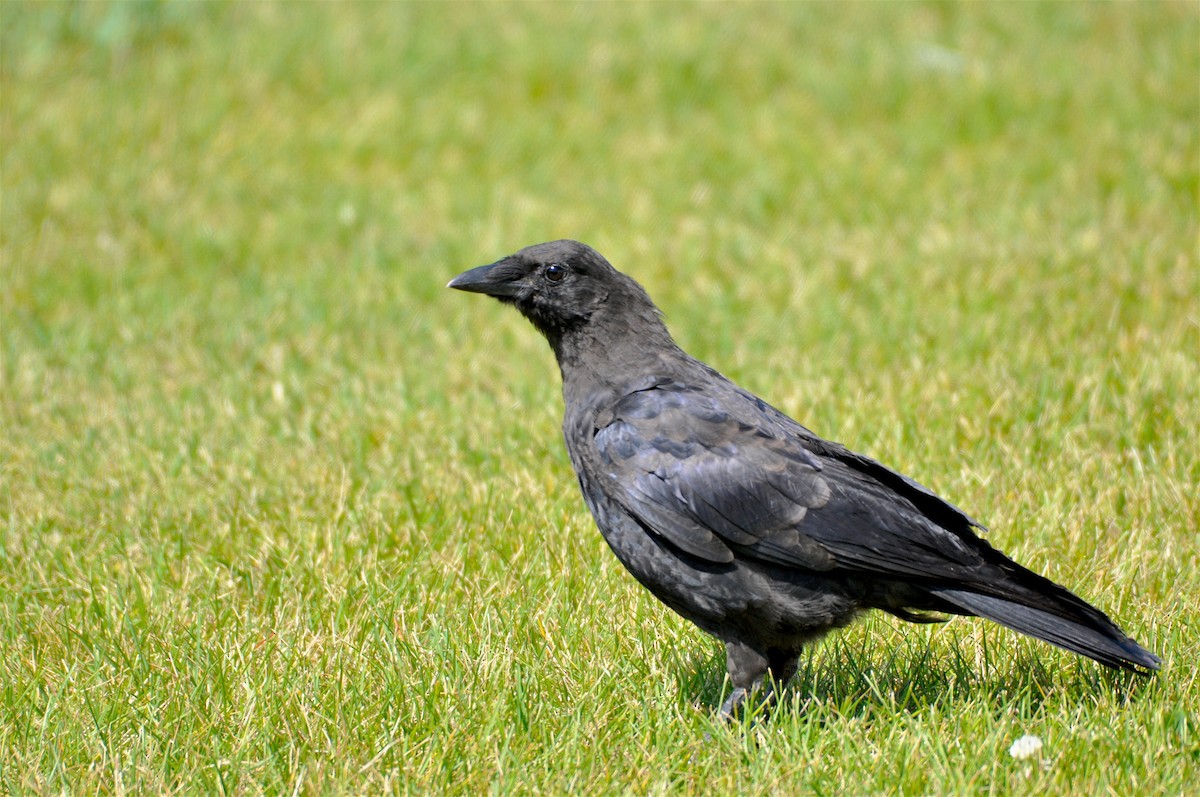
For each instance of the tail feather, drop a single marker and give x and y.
(1097, 637)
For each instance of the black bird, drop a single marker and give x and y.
(742, 520)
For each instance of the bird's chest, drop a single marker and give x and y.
(578, 432)
(647, 558)
(705, 596)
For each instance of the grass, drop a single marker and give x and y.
(279, 514)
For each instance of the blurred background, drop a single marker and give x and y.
(241, 413)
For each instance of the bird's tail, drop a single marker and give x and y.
(1054, 615)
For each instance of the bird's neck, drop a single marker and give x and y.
(603, 357)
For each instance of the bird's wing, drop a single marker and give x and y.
(715, 478)
(928, 502)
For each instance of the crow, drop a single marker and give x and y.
(740, 519)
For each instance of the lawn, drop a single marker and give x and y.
(280, 514)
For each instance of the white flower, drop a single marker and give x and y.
(1028, 745)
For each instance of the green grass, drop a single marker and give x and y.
(279, 514)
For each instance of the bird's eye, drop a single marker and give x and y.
(555, 272)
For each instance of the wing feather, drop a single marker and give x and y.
(718, 479)
(709, 483)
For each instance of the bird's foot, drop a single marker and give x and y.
(758, 700)
(733, 704)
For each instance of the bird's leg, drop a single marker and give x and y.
(781, 666)
(750, 670)
(746, 668)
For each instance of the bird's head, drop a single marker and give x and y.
(563, 288)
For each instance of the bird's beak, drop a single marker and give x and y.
(487, 279)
